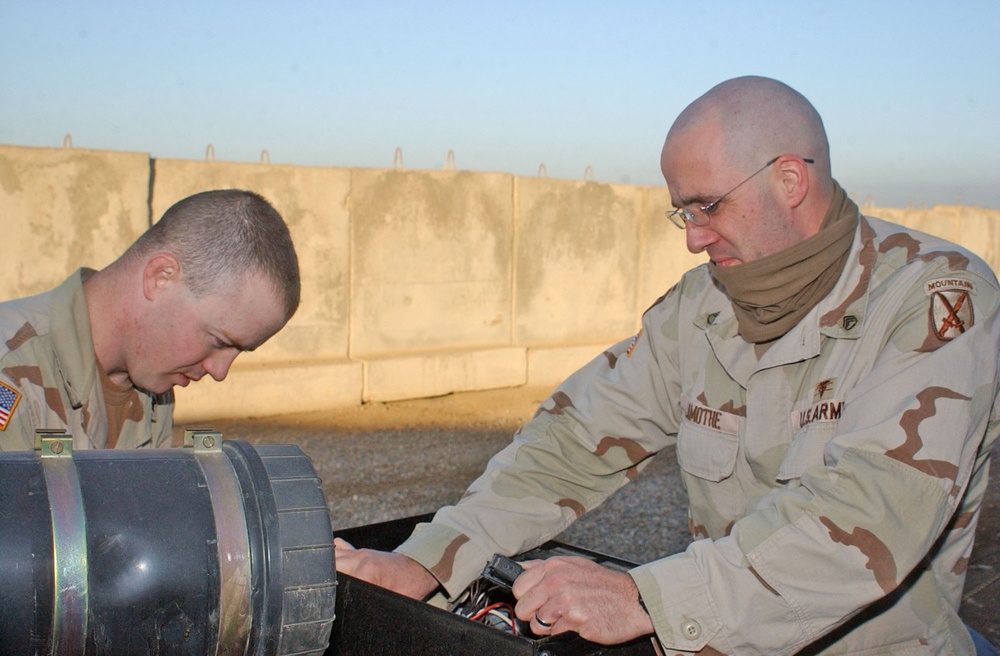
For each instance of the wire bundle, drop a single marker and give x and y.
(490, 605)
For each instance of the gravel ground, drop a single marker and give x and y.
(392, 460)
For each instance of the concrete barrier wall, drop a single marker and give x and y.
(62, 208)
(414, 283)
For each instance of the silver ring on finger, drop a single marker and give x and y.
(542, 623)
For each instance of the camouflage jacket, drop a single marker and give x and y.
(49, 375)
(834, 483)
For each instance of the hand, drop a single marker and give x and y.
(393, 571)
(577, 594)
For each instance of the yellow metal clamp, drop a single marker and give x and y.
(69, 542)
(232, 541)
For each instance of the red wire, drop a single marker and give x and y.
(484, 611)
(496, 606)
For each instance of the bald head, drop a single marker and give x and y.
(749, 160)
(752, 119)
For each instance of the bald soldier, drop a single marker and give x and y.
(98, 356)
(830, 382)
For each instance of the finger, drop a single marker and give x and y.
(341, 544)
(531, 576)
(542, 625)
(346, 557)
(531, 596)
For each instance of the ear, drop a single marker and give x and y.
(793, 180)
(160, 271)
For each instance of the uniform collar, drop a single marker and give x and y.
(71, 338)
(840, 315)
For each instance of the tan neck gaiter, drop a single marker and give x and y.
(122, 403)
(773, 293)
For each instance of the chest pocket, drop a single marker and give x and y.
(812, 430)
(708, 442)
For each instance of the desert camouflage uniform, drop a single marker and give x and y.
(836, 482)
(47, 357)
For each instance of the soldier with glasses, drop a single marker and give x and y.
(830, 381)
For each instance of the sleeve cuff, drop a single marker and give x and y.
(451, 557)
(683, 616)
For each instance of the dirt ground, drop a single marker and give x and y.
(385, 461)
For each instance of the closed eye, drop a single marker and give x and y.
(711, 208)
(219, 344)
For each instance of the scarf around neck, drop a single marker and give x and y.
(772, 294)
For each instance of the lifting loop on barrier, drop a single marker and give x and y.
(588, 173)
(543, 171)
(265, 157)
(449, 162)
(397, 158)
(209, 153)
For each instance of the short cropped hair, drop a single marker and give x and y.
(221, 236)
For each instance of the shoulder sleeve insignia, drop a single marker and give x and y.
(951, 311)
(9, 398)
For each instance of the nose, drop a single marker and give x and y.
(218, 363)
(699, 237)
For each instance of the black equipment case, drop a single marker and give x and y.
(372, 621)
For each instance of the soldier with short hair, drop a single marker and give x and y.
(98, 356)
(830, 382)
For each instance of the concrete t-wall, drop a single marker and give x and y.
(63, 208)
(414, 283)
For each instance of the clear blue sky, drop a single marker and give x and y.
(909, 90)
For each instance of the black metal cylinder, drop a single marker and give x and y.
(171, 551)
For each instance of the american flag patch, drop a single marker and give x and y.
(8, 401)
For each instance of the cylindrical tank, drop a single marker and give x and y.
(221, 548)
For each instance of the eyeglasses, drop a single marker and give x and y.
(684, 215)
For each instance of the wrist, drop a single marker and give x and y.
(642, 605)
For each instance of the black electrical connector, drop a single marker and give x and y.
(502, 571)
